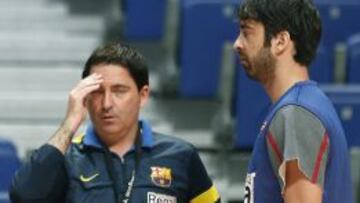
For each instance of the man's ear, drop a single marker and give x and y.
(144, 95)
(280, 42)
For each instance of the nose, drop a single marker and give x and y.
(238, 45)
(107, 102)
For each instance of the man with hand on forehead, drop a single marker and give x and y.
(119, 158)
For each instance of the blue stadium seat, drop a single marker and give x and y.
(353, 59)
(204, 27)
(337, 17)
(321, 69)
(346, 100)
(252, 105)
(9, 163)
(144, 20)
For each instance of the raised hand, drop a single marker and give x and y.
(76, 111)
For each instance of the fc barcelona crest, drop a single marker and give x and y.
(161, 176)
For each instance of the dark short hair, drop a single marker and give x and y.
(123, 55)
(299, 17)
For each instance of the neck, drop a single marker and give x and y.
(286, 75)
(124, 142)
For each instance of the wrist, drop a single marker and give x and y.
(71, 124)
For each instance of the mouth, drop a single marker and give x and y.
(242, 57)
(243, 61)
(107, 118)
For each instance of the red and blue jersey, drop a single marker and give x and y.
(301, 125)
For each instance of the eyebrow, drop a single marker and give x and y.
(120, 86)
(245, 25)
(117, 86)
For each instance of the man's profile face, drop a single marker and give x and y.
(114, 107)
(255, 57)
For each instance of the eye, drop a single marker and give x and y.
(244, 32)
(120, 90)
(246, 35)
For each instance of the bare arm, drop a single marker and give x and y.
(299, 189)
(76, 112)
(44, 178)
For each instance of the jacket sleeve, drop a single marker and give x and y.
(43, 179)
(202, 189)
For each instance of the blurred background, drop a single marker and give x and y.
(199, 91)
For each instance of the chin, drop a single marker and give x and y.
(249, 72)
(109, 129)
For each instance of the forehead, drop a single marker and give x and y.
(251, 23)
(112, 73)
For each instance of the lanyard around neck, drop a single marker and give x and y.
(114, 177)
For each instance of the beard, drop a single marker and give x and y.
(261, 67)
